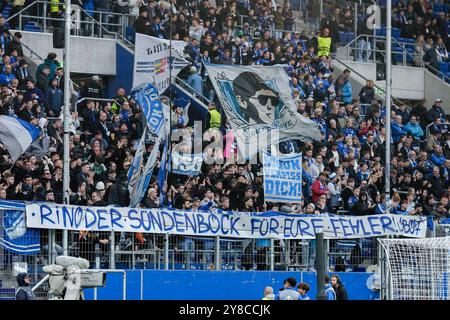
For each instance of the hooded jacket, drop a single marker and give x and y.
(52, 64)
(24, 291)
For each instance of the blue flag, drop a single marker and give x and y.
(137, 165)
(17, 135)
(17, 237)
(138, 192)
(146, 96)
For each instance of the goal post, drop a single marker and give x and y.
(417, 269)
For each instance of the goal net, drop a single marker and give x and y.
(418, 269)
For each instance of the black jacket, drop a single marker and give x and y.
(141, 26)
(341, 292)
(367, 95)
(361, 209)
(92, 90)
(119, 195)
(14, 45)
(149, 203)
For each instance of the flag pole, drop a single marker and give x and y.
(66, 114)
(169, 134)
(388, 105)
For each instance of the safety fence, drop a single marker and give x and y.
(136, 251)
(123, 250)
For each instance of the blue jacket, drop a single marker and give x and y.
(5, 79)
(397, 131)
(196, 82)
(380, 208)
(347, 92)
(305, 297)
(414, 129)
(55, 98)
(348, 132)
(329, 291)
(438, 160)
(39, 95)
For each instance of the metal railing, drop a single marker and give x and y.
(354, 47)
(32, 52)
(203, 253)
(382, 90)
(257, 32)
(93, 99)
(243, 17)
(182, 83)
(437, 72)
(83, 22)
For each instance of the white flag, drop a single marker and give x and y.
(152, 61)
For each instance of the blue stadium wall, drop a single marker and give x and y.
(124, 72)
(218, 285)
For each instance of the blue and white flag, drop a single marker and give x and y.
(186, 164)
(147, 97)
(17, 135)
(16, 236)
(138, 192)
(154, 58)
(258, 105)
(136, 167)
(282, 178)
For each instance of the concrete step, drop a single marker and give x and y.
(301, 25)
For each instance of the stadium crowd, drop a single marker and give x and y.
(342, 173)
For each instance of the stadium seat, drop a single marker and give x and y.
(130, 34)
(443, 67)
(396, 33)
(32, 27)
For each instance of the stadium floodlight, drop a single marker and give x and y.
(418, 269)
(70, 275)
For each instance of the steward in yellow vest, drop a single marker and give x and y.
(324, 43)
(214, 116)
(56, 6)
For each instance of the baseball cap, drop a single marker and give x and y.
(95, 78)
(438, 100)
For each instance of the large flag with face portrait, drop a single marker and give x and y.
(258, 105)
